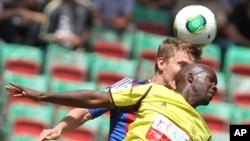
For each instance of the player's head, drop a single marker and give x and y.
(197, 83)
(172, 55)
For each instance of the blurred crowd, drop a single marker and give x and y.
(71, 23)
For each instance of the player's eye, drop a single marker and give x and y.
(182, 64)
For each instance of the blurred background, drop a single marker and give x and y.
(61, 45)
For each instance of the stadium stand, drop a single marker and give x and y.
(211, 56)
(60, 85)
(110, 49)
(102, 34)
(40, 82)
(218, 115)
(146, 41)
(144, 64)
(21, 58)
(24, 117)
(86, 132)
(220, 136)
(105, 71)
(152, 20)
(66, 64)
(221, 94)
(243, 116)
(238, 89)
(237, 60)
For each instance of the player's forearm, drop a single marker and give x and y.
(68, 124)
(80, 99)
(73, 120)
(8, 13)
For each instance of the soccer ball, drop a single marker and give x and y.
(196, 24)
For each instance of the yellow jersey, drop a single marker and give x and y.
(162, 114)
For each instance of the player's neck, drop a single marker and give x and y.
(157, 79)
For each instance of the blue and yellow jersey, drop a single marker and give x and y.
(120, 119)
(163, 114)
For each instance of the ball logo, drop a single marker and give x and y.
(196, 24)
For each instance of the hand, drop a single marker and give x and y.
(49, 134)
(20, 91)
(120, 23)
(75, 40)
(72, 38)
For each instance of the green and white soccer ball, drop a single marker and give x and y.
(196, 24)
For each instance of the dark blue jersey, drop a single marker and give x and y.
(119, 120)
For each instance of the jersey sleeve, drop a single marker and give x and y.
(123, 83)
(128, 96)
(96, 112)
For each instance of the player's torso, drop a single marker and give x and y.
(158, 119)
(120, 119)
(119, 124)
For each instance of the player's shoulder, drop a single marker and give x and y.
(130, 81)
(162, 88)
(127, 82)
(124, 81)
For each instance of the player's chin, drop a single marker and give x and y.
(207, 101)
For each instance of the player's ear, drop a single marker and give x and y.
(160, 63)
(190, 77)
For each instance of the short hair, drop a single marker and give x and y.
(192, 68)
(171, 45)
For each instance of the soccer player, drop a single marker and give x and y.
(162, 113)
(172, 55)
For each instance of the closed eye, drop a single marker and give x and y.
(183, 64)
(212, 79)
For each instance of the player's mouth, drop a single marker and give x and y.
(211, 94)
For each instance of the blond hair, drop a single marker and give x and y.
(171, 45)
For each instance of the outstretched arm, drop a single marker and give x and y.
(73, 120)
(79, 98)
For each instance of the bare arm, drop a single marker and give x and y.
(73, 120)
(6, 13)
(80, 98)
(25, 14)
